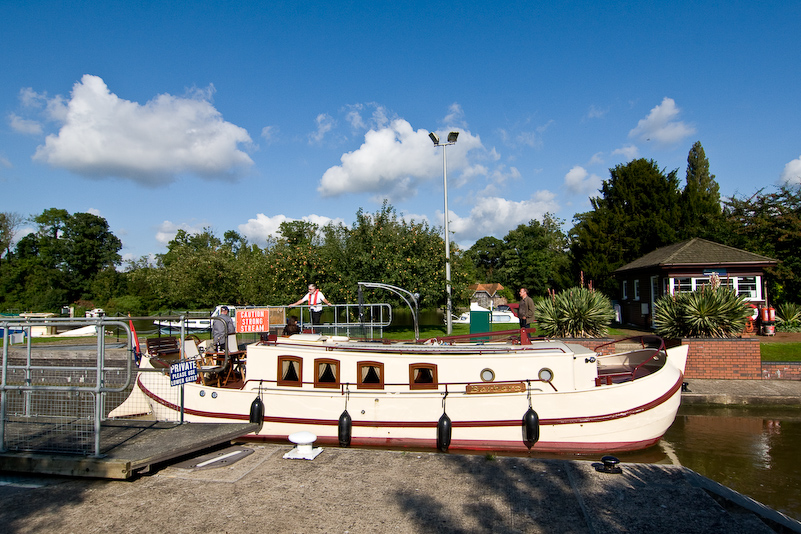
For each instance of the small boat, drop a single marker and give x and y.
(96, 312)
(501, 314)
(167, 326)
(448, 393)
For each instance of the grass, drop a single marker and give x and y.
(780, 352)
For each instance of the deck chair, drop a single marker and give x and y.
(207, 372)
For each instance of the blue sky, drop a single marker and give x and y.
(240, 115)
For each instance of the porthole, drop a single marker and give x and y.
(546, 375)
(487, 375)
(213, 394)
(202, 393)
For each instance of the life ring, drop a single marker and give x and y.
(749, 325)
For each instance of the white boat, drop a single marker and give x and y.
(501, 314)
(542, 395)
(192, 325)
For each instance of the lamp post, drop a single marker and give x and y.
(451, 141)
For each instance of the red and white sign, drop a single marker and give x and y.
(253, 320)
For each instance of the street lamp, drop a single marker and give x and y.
(451, 140)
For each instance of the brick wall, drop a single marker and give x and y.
(781, 370)
(730, 358)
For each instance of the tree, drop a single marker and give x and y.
(9, 225)
(701, 214)
(770, 224)
(637, 212)
(486, 255)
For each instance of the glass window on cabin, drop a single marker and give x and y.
(624, 290)
(700, 282)
(371, 375)
(747, 286)
(290, 371)
(423, 376)
(327, 375)
(636, 290)
(683, 284)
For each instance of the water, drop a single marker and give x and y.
(753, 450)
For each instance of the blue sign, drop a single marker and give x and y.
(183, 373)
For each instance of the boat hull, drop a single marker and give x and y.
(618, 417)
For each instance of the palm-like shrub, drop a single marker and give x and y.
(575, 312)
(708, 312)
(788, 317)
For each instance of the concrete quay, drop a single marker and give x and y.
(377, 491)
(742, 392)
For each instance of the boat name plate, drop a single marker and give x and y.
(496, 387)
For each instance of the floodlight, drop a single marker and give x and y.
(452, 137)
(434, 137)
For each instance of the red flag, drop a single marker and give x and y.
(135, 347)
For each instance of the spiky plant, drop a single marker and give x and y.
(575, 312)
(788, 317)
(708, 312)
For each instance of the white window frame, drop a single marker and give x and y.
(636, 290)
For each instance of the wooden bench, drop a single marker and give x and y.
(165, 349)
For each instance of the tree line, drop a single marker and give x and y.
(73, 259)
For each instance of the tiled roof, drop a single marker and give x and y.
(697, 251)
(491, 289)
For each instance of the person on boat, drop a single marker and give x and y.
(292, 326)
(525, 310)
(221, 329)
(315, 298)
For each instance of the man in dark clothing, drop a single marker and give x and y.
(525, 311)
(221, 329)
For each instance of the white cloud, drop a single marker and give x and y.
(103, 135)
(270, 134)
(167, 230)
(4, 162)
(94, 211)
(596, 112)
(661, 125)
(629, 152)
(791, 175)
(579, 181)
(260, 229)
(393, 160)
(455, 117)
(325, 123)
(496, 216)
(25, 126)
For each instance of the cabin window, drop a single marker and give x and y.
(636, 290)
(747, 287)
(625, 290)
(423, 376)
(290, 371)
(371, 375)
(327, 373)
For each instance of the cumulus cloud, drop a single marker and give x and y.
(661, 125)
(167, 230)
(270, 134)
(579, 181)
(260, 229)
(629, 152)
(496, 216)
(325, 123)
(393, 160)
(103, 135)
(791, 175)
(26, 126)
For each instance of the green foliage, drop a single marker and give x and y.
(770, 224)
(708, 312)
(788, 317)
(700, 200)
(637, 212)
(120, 306)
(576, 312)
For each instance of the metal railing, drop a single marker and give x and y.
(56, 404)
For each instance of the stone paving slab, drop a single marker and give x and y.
(377, 491)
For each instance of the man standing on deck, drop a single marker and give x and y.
(315, 298)
(221, 329)
(525, 310)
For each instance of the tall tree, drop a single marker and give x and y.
(637, 212)
(9, 225)
(701, 214)
(486, 255)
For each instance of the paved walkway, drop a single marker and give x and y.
(376, 491)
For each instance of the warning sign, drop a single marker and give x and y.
(253, 320)
(183, 373)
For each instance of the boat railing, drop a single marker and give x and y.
(647, 342)
(521, 336)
